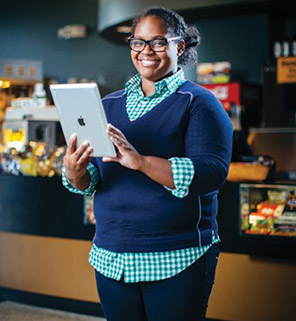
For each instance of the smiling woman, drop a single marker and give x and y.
(155, 203)
(155, 65)
(158, 56)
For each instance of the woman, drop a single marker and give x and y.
(155, 204)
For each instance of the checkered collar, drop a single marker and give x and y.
(169, 83)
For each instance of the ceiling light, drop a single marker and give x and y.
(124, 29)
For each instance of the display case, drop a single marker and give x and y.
(36, 124)
(258, 219)
(268, 210)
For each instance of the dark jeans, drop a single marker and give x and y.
(182, 297)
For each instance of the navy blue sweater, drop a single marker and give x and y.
(134, 213)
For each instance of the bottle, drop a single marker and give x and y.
(285, 47)
(235, 116)
(293, 46)
(277, 48)
(39, 95)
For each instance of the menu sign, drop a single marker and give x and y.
(286, 70)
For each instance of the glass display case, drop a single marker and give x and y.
(268, 210)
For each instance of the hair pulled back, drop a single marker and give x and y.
(177, 26)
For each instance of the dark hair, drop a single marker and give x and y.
(177, 26)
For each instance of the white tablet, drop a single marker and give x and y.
(81, 112)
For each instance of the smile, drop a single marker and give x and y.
(149, 63)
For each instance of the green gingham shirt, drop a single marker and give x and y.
(151, 266)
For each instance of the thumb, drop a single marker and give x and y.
(110, 159)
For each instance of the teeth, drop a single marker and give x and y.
(148, 62)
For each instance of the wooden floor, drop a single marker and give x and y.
(12, 311)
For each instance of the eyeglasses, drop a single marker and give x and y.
(156, 45)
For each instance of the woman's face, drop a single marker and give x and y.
(154, 66)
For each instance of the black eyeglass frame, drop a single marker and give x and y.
(148, 42)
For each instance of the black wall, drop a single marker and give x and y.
(28, 30)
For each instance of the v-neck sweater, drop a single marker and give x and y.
(188, 123)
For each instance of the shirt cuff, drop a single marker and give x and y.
(183, 173)
(94, 179)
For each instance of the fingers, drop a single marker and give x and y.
(72, 144)
(85, 156)
(119, 140)
(77, 157)
(115, 131)
(122, 145)
(80, 151)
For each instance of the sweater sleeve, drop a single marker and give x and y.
(208, 143)
(94, 179)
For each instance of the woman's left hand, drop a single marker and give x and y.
(127, 155)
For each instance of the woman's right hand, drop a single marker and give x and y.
(76, 161)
